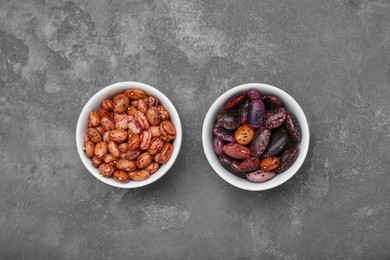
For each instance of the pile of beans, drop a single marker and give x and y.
(256, 137)
(129, 137)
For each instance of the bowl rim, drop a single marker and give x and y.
(103, 94)
(212, 157)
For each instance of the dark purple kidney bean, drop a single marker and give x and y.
(243, 112)
(260, 176)
(253, 94)
(231, 165)
(293, 128)
(277, 143)
(260, 141)
(256, 111)
(236, 151)
(274, 117)
(223, 134)
(272, 101)
(236, 100)
(287, 158)
(218, 146)
(249, 165)
(228, 119)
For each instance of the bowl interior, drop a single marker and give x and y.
(207, 137)
(95, 103)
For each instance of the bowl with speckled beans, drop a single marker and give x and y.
(289, 103)
(94, 103)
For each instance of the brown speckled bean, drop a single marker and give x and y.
(134, 94)
(118, 135)
(121, 176)
(113, 149)
(144, 160)
(155, 146)
(107, 123)
(94, 135)
(140, 175)
(108, 104)
(101, 150)
(106, 170)
(121, 104)
(89, 149)
(153, 116)
(126, 165)
(163, 112)
(142, 120)
(167, 128)
(166, 152)
(146, 139)
(155, 131)
(94, 118)
(152, 168)
(142, 106)
(133, 142)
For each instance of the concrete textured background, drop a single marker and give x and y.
(332, 56)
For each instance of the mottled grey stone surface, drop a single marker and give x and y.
(332, 56)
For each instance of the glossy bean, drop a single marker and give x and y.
(249, 165)
(253, 94)
(155, 131)
(94, 118)
(223, 134)
(132, 154)
(133, 142)
(104, 112)
(277, 143)
(167, 128)
(100, 129)
(218, 146)
(260, 176)
(287, 158)
(256, 111)
(109, 159)
(121, 104)
(134, 94)
(153, 116)
(140, 175)
(244, 134)
(152, 101)
(131, 110)
(155, 146)
(134, 127)
(113, 149)
(269, 163)
(142, 106)
(231, 165)
(106, 170)
(275, 117)
(101, 150)
(106, 137)
(89, 149)
(123, 147)
(121, 176)
(144, 160)
(236, 100)
(108, 104)
(163, 112)
(94, 135)
(236, 151)
(126, 165)
(142, 120)
(152, 168)
(118, 135)
(166, 152)
(146, 139)
(228, 119)
(293, 129)
(260, 141)
(107, 123)
(96, 161)
(272, 101)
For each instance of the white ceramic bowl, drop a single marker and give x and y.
(95, 103)
(207, 136)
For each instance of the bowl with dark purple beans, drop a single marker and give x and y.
(255, 136)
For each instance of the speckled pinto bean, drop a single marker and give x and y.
(166, 152)
(121, 104)
(94, 135)
(144, 160)
(106, 170)
(155, 146)
(127, 134)
(121, 176)
(134, 94)
(126, 165)
(236, 151)
(152, 168)
(153, 116)
(133, 142)
(89, 149)
(140, 175)
(113, 149)
(163, 112)
(94, 118)
(118, 135)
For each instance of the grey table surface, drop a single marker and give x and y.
(331, 56)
